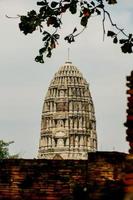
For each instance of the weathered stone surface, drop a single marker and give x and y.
(68, 126)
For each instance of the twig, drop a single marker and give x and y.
(113, 24)
(18, 16)
(80, 32)
(103, 22)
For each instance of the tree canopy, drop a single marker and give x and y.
(50, 15)
(4, 150)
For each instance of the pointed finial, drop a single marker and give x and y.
(68, 56)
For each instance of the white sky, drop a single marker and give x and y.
(23, 82)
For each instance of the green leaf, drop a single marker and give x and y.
(4, 150)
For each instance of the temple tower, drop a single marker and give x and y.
(68, 124)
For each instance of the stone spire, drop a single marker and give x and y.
(68, 126)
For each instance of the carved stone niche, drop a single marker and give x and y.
(61, 106)
(60, 138)
(62, 93)
(62, 87)
(60, 115)
(60, 134)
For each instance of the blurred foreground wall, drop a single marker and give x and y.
(105, 175)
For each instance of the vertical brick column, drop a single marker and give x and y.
(129, 138)
(129, 122)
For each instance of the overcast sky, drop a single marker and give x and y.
(23, 82)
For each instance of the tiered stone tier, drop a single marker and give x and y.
(68, 126)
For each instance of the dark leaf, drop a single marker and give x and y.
(115, 40)
(54, 4)
(122, 41)
(75, 29)
(100, 5)
(53, 45)
(111, 34)
(111, 1)
(88, 5)
(127, 48)
(32, 13)
(130, 36)
(81, 3)
(65, 7)
(27, 26)
(73, 8)
(49, 54)
(39, 59)
(41, 28)
(45, 37)
(57, 36)
(57, 23)
(42, 50)
(45, 33)
(84, 21)
(92, 2)
(66, 38)
(41, 3)
(69, 38)
(42, 10)
(66, 1)
(51, 21)
(92, 10)
(98, 12)
(81, 14)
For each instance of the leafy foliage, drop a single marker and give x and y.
(50, 16)
(111, 1)
(127, 44)
(4, 150)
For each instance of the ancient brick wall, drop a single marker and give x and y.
(128, 180)
(98, 178)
